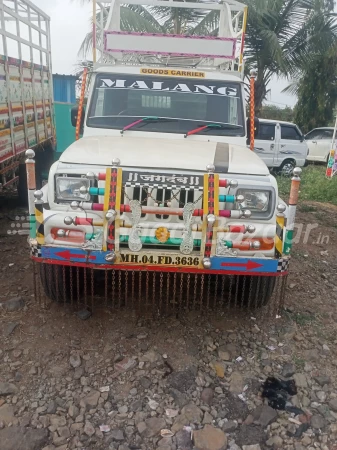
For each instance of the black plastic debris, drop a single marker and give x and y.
(294, 410)
(278, 392)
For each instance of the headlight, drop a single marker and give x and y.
(255, 200)
(68, 189)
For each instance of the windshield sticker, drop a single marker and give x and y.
(169, 86)
(173, 73)
(162, 180)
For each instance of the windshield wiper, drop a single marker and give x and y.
(209, 126)
(147, 119)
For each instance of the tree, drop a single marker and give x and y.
(276, 113)
(317, 93)
(280, 36)
(279, 40)
(315, 82)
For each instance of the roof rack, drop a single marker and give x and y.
(221, 52)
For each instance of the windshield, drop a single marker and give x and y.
(119, 99)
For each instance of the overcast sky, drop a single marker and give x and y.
(70, 21)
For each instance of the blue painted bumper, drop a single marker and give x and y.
(75, 256)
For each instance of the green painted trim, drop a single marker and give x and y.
(227, 198)
(96, 191)
(154, 240)
(288, 242)
(89, 236)
(32, 226)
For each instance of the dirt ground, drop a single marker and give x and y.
(37, 345)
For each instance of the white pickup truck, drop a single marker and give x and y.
(162, 182)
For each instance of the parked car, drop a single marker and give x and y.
(281, 145)
(319, 142)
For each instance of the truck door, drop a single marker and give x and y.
(265, 145)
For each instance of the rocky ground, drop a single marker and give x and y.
(119, 381)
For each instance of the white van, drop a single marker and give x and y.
(319, 142)
(281, 145)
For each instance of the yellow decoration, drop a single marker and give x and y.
(172, 73)
(162, 234)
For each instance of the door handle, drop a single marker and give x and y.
(283, 145)
(314, 142)
(272, 146)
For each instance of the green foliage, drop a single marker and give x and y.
(281, 36)
(314, 185)
(317, 93)
(276, 113)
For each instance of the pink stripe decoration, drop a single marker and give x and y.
(225, 213)
(97, 207)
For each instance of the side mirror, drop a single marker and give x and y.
(74, 114)
(256, 128)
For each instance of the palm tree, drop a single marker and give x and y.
(280, 38)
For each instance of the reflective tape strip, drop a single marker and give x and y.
(106, 206)
(211, 206)
(112, 205)
(39, 222)
(119, 189)
(280, 221)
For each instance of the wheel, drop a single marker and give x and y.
(61, 283)
(287, 167)
(256, 291)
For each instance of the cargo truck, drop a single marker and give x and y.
(161, 201)
(26, 94)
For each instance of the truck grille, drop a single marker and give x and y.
(163, 197)
(155, 193)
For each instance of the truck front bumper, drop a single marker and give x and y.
(159, 261)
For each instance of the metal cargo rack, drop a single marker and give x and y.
(221, 52)
(26, 93)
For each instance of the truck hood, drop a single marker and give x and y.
(175, 154)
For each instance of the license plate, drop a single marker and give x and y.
(160, 260)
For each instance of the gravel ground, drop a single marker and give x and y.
(120, 381)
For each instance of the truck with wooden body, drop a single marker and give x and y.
(161, 200)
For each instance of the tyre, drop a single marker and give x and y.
(287, 167)
(256, 292)
(61, 283)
